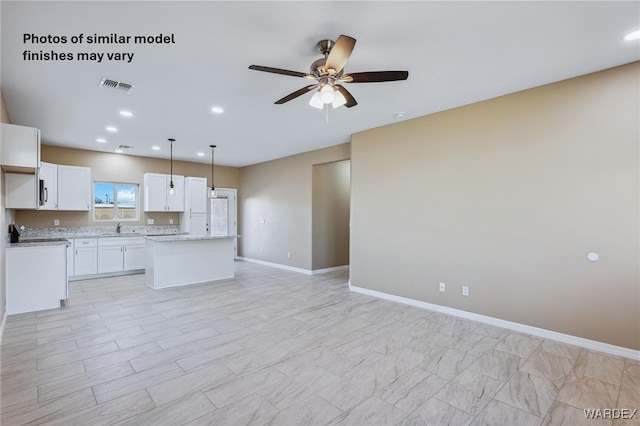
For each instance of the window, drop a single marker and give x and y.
(115, 201)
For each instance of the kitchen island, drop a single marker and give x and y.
(178, 260)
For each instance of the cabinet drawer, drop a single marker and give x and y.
(120, 241)
(85, 242)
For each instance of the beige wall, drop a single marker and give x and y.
(124, 169)
(507, 197)
(330, 214)
(5, 217)
(279, 193)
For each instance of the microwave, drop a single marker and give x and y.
(43, 193)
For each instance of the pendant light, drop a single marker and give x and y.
(171, 190)
(212, 194)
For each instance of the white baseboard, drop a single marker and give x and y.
(523, 328)
(3, 324)
(276, 265)
(332, 269)
(293, 268)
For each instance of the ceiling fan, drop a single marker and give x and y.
(328, 74)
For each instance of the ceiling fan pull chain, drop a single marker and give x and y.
(326, 113)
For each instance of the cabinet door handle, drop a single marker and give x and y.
(76, 251)
(46, 194)
(120, 248)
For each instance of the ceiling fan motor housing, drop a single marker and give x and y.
(324, 46)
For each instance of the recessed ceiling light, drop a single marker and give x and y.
(126, 113)
(101, 140)
(111, 129)
(634, 35)
(155, 148)
(119, 151)
(217, 110)
(200, 154)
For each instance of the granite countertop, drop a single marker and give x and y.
(34, 237)
(43, 242)
(168, 238)
(98, 232)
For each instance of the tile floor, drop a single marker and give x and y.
(282, 348)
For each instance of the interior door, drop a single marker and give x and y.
(224, 212)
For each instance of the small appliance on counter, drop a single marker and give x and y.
(14, 235)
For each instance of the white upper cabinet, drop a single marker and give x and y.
(20, 148)
(55, 187)
(74, 188)
(21, 191)
(48, 186)
(195, 189)
(156, 193)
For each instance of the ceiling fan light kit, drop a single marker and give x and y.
(328, 73)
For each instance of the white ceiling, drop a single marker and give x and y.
(456, 53)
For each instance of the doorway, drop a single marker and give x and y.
(222, 214)
(330, 210)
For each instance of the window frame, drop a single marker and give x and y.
(115, 201)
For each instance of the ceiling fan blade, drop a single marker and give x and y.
(375, 76)
(351, 101)
(339, 54)
(279, 71)
(295, 94)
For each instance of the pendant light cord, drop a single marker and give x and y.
(171, 162)
(213, 187)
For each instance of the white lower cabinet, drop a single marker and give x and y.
(85, 257)
(36, 278)
(70, 258)
(134, 256)
(109, 258)
(120, 254)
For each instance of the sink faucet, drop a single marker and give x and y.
(118, 229)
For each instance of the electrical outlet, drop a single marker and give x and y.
(149, 221)
(56, 222)
(465, 290)
(442, 287)
(289, 254)
(170, 221)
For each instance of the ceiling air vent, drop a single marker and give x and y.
(124, 147)
(116, 85)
